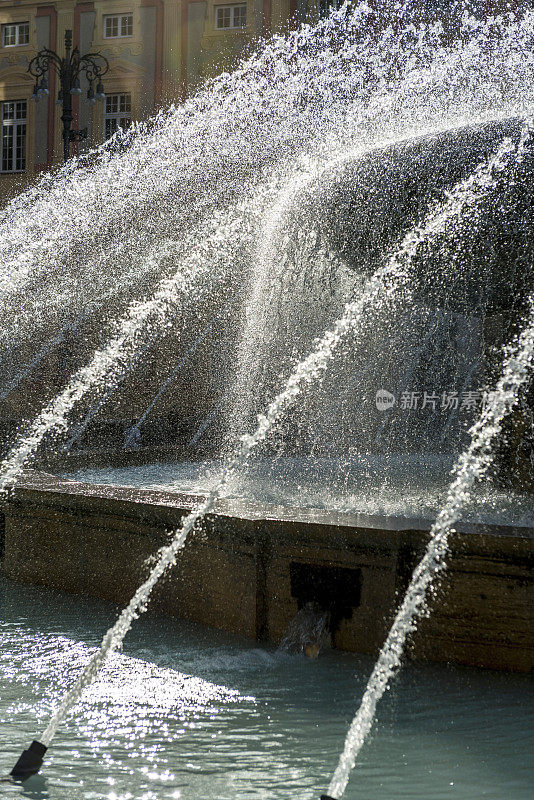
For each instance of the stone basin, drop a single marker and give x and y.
(254, 564)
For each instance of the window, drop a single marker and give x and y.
(118, 25)
(118, 113)
(14, 136)
(230, 17)
(15, 34)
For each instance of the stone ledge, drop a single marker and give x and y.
(235, 574)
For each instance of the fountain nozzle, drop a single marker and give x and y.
(30, 762)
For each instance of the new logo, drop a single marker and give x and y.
(384, 400)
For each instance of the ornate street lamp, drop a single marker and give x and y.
(69, 69)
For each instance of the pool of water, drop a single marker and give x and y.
(410, 486)
(188, 712)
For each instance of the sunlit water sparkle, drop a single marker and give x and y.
(410, 487)
(288, 109)
(188, 712)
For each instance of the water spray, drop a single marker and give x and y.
(384, 284)
(40, 242)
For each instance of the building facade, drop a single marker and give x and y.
(158, 50)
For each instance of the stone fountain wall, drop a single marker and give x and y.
(246, 571)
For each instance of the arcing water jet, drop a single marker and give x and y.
(381, 286)
(330, 87)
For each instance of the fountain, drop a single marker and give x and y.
(364, 187)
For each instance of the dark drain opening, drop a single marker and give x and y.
(336, 589)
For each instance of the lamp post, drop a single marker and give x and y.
(69, 69)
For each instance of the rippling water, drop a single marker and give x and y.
(188, 712)
(406, 486)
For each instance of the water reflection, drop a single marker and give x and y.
(188, 712)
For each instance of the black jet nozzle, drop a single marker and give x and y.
(327, 797)
(30, 762)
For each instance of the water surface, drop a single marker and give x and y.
(189, 712)
(404, 485)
